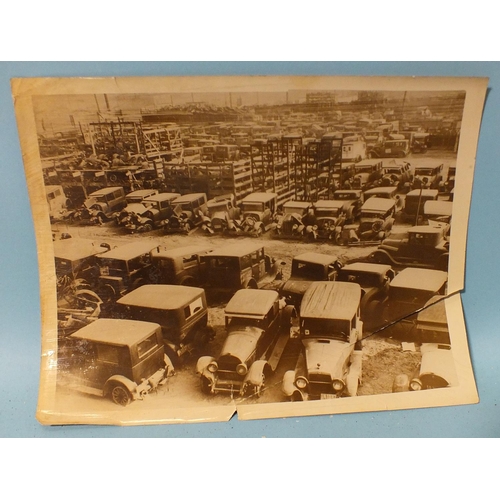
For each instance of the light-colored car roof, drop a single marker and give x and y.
(236, 249)
(166, 297)
(316, 258)
(251, 303)
(367, 267)
(262, 197)
(116, 331)
(77, 248)
(377, 204)
(434, 314)
(420, 279)
(105, 191)
(438, 207)
(131, 250)
(331, 300)
(180, 251)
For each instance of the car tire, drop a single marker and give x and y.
(205, 386)
(147, 227)
(120, 395)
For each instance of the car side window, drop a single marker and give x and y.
(108, 353)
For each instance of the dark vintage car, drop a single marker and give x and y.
(328, 218)
(428, 177)
(306, 268)
(413, 208)
(116, 358)
(409, 291)
(390, 148)
(449, 184)
(180, 310)
(366, 173)
(375, 223)
(258, 211)
(240, 265)
(352, 200)
(437, 367)
(179, 266)
(374, 280)
(289, 224)
(188, 212)
(420, 246)
(222, 212)
(258, 330)
(155, 213)
(124, 268)
(397, 173)
(331, 331)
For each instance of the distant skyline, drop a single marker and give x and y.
(63, 112)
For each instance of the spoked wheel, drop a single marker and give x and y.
(120, 395)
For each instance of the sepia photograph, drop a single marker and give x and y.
(266, 246)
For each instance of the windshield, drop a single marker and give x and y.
(344, 196)
(396, 171)
(151, 204)
(372, 215)
(113, 264)
(239, 323)
(294, 210)
(333, 328)
(424, 171)
(362, 278)
(327, 212)
(219, 207)
(253, 207)
(308, 271)
(223, 263)
(367, 170)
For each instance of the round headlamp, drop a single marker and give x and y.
(338, 385)
(301, 382)
(212, 366)
(415, 385)
(241, 369)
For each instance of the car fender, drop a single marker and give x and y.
(289, 388)
(256, 373)
(203, 362)
(120, 379)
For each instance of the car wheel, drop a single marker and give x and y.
(147, 227)
(120, 395)
(206, 388)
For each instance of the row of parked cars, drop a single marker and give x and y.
(323, 306)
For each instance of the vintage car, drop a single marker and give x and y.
(57, 201)
(116, 358)
(409, 291)
(306, 268)
(374, 280)
(353, 148)
(437, 367)
(449, 184)
(180, 310)
(331, 332)
(189, 211)
(240, 265)
(100, 206)
(397, 173)
(134, 205)
(438, 213)
(375, 223)
(428, 177)
(179, 266)
(156, 212)
(328, 218)
(222, 212)
(385, 192)
(413, 208)
(290, 224)
(258, 211)
(352, 200)
(390, 148)
(76, 259)
(226, 152)
(420, 246)
(124, 268)
(258, 330)
(366, 173)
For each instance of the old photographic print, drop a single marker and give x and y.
(271, 246)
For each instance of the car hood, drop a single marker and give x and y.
(241, 343)
(326, 356)
(296, 286)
